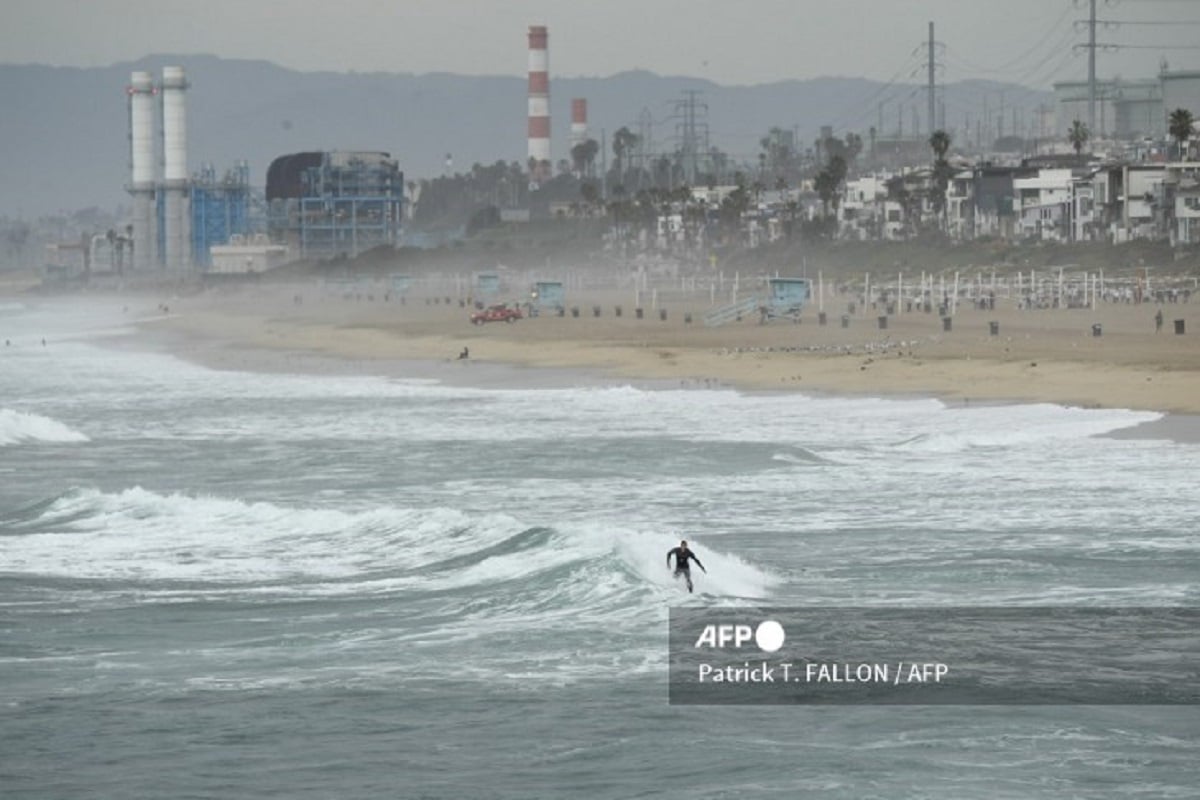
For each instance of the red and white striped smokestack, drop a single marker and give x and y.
(539, 100)
(578, 121)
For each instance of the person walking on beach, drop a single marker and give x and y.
(1158, 321)
(682, 556)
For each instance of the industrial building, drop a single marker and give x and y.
(222, 210)
(1128, 109)
(330, 204)
(177, 217)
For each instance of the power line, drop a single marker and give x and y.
(1018, 59)
(1138, 22)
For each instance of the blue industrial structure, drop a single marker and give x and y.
(219, 209)
(335, 204)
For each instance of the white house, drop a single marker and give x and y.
(1041, 204)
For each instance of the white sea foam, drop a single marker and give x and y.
(150, 537)
(1017, 426)
(143, 535)
(17, 427)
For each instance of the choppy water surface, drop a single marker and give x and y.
(223, 584)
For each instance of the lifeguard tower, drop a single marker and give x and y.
(783, 298)
(547, 296)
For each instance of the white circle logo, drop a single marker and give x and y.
(769, 636)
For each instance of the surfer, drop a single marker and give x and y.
(682, 556)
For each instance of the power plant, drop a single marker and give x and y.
(321, 204)
(177, 217)
(539, 104)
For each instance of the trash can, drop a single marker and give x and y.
(1097, 329)
(994, 328)
(947, 323)
(1179, 327)
(943, 311)
(617, 311)
(687, 318)
(821, 318)
(891, 308)
(574, 311)
(883, 323)
(845, 320)
(662, 314)
(595, 311)
(638, 312)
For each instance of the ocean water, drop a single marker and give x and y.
(219, 584)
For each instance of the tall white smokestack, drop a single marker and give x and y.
(177, 216)
(141, 165)
(539, 102)
(579, 132)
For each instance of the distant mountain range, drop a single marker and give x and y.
(64, 131)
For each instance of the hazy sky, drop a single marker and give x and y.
(727, 41)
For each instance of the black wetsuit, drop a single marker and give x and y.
(681, 563)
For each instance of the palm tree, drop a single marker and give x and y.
(1078, 135)
(1180, 127)
(624, 140)
(939, 142)
(827, 184)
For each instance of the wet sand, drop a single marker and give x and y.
(1036, 356)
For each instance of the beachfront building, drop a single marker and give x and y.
(1132, 201)
(1041, 205)
(861, 213)
(960, 205)
(1187, 214)
(1082, 207)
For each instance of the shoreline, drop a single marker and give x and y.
(226, 354)
(1043, 357)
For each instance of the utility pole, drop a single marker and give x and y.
(932, 88)
(1092, 67)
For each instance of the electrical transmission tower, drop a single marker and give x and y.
(933, 49)
(691, 130)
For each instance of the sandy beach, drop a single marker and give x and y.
(1035, 355)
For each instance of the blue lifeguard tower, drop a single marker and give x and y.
(548, 296)
(786, 297)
